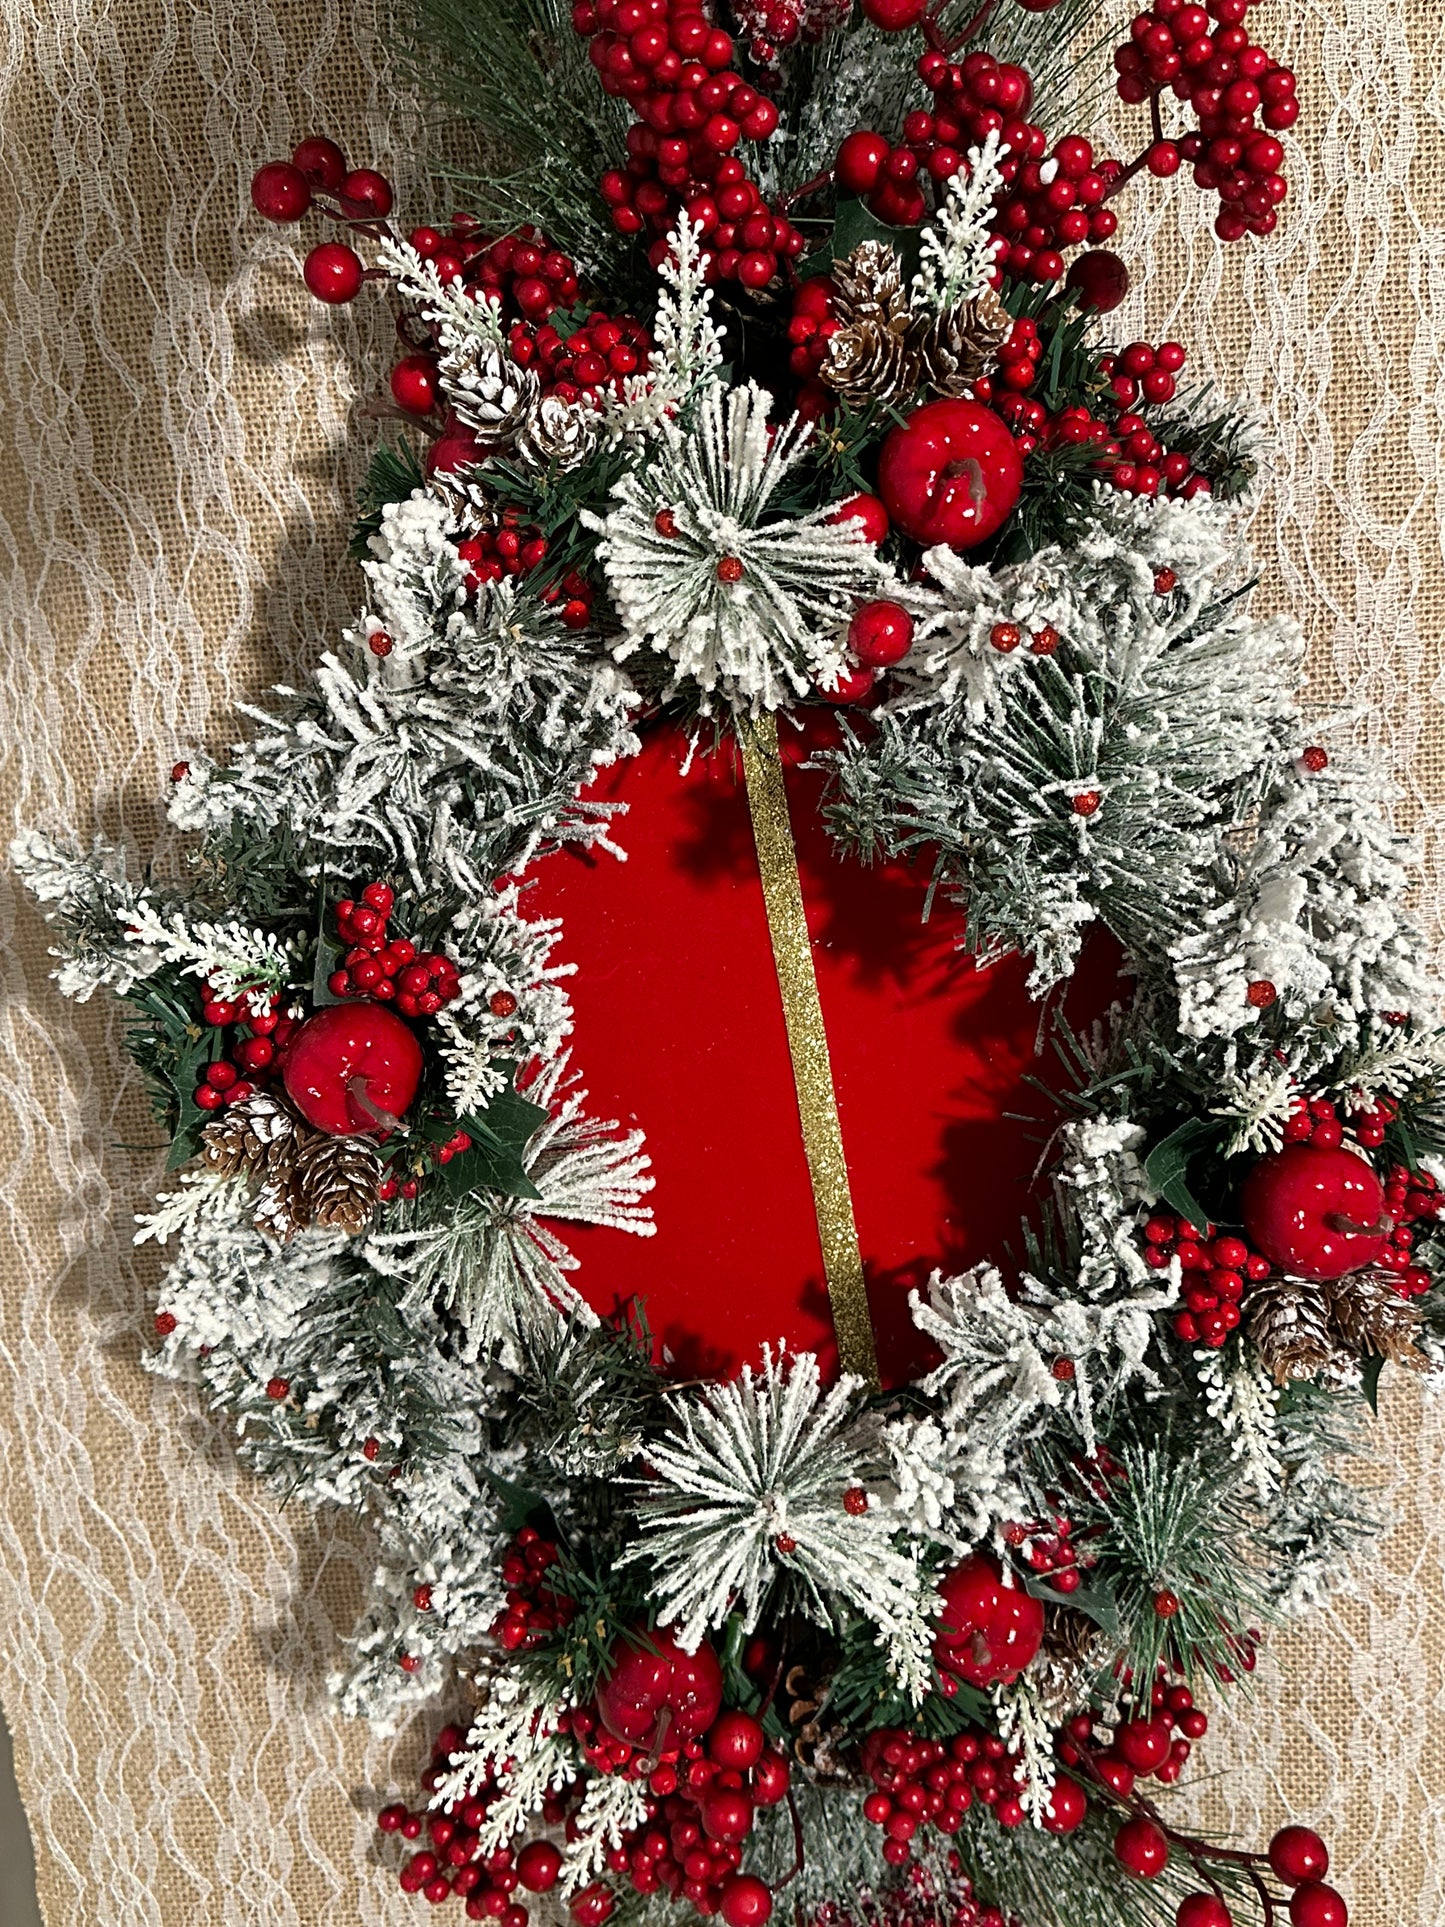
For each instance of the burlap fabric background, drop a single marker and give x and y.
(173, 487)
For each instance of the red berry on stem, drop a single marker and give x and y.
(414, 384)
(860, 163)
(1203, 1910)
(880, 634)
(1317, 1211)
(950, 474)
(745, 1901)
(1297, 1854)
(369, 189)
(539, 1866)
(868, 512)
(1315, 1905)
(322, 162)
(1141, 1848)
(894, 16)
(333, 273)
(1100, 279)
(1067, 1806)
(851, 687)
(280, 192)
(592, 1906)
(352, 1069)
(736, 1740)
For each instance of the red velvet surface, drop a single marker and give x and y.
(679, 1028)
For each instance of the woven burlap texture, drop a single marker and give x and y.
(175, 470)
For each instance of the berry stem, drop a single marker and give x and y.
(815, 186)
(799, 1858)
(974, 27)
(1156, 135)
(377, 410)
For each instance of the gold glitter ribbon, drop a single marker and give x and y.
(808, 1047)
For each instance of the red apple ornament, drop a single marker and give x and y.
(353, 1068)
(951, 473)
(656, 1695)
(987, 1632)
(1316, 1211)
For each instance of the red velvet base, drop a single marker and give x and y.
(680, 1029)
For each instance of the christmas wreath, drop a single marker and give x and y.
(769, 426)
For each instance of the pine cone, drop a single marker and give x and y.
(303, 1177)
(1289, 1321)
(255, 1138)
(963, 341)
(1073, 1652)
(335, 1180)
(817, 1740)
(877, 353)
(558, 435)
(489, 392)
(1371, 1316)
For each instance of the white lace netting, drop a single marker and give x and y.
(173, 491)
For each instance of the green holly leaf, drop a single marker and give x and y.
(1167, 1166)
(1094, 1600)
(500, 1134)
(855, 223)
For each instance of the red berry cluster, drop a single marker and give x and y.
(453, 1863)
(1215, 1269)
(534, 1608)
(1408, 1195)
(921, 1783)
(1049, 1549)
(412, 1169)
(675, 68)
(576, 594)
(285, 190)
(522, 271)
(703, 1802)
(1053, 199)
(515, 548)
(394, 970)
(776, 25)
(1152, 1747)
(598, 356)
(1204, 56)
(812, 325)
(256, 1053)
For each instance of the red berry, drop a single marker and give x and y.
(745, 1901)
(539, 1865)
(1067, 1806)
(867, 511)
(280, 192)
(370, 190)
(1315, 1905)
(592, 1906)
(894, 16)
(1297, 1854)
(414, 388)
(278, 1388)
(333, 273)
(860, 163)
(880, 634)
(1262, 993)
(1141, 1848)
(736, 1740)
(1086, 803)
(1100, 279)
(851, 687)
(1203, 1910)
(1314, 758)
(165, 1323)
(322, 162)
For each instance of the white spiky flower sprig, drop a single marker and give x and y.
(751, 1490)
(751, 604)
(959, 248)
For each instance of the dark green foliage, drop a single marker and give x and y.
(512, 78)
(167, 1039)
(391, 476)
